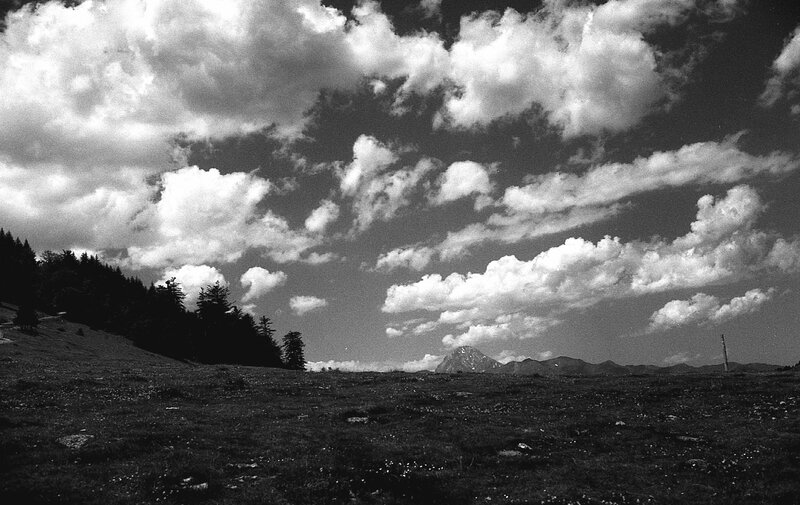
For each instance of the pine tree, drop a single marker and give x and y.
(213, 310)
(271, 349)
(171, 294)
(293, 357)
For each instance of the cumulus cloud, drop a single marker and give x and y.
(591, 71)
(722, 247)
(785, 78)
(138, 72)
(193, 278)
(370, 156)
(89, 210)
(94, 96)
(377, 193)
(260, 281)
(428, 362)
(322, 216)
(393, 332)
(412, 257)
(461, 179)
(420, 59)
(588, 68)
(203, 215)
(302, 305)
(700, 163)
(556, 201)
(504, 327)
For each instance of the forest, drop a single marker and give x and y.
(154, 317)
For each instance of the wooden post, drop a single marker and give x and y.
(725, 352)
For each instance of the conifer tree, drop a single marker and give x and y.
(293, 357)
(271, 349)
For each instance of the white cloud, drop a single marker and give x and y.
(682, 312)
(785, 79)
(89, 210)
(393, 332)
(748, 303)
(700, 163)
(504, 327)
(462, 178)
(681, 357)
(302, 305)
(555, 202)
(704, 309)
(250, 308)
(204, 216)
(785, 255)
(370, 157)
(723, 247)
(507, 356)
(136, 73)
(589, 68)
(259, 281)
(322, 216)
(591, 71)
(419, 58)
(192, 278)
(428, 362)
(97, 93)
(414, 258)
(516, 227)
(377, 193)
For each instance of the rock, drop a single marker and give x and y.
(358, 420)
(74, 441)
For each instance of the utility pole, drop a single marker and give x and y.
(725, 352)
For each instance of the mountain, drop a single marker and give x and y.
(562, 365)
(467, 359)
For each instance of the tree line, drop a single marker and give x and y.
(154, 317)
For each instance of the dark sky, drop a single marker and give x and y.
(605, 181)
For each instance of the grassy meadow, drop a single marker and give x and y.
(89, 419)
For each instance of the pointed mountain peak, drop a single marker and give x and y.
(466, 359)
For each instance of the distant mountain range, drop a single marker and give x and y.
(469, 359)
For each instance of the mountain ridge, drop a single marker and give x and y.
(471, 360)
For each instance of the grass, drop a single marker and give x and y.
(167, 432)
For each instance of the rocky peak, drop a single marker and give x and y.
(466, 359)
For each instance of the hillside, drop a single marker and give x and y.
(92, 420)
(56, 339)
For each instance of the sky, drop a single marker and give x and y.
(612, 180)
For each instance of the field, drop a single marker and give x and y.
(85, 419)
